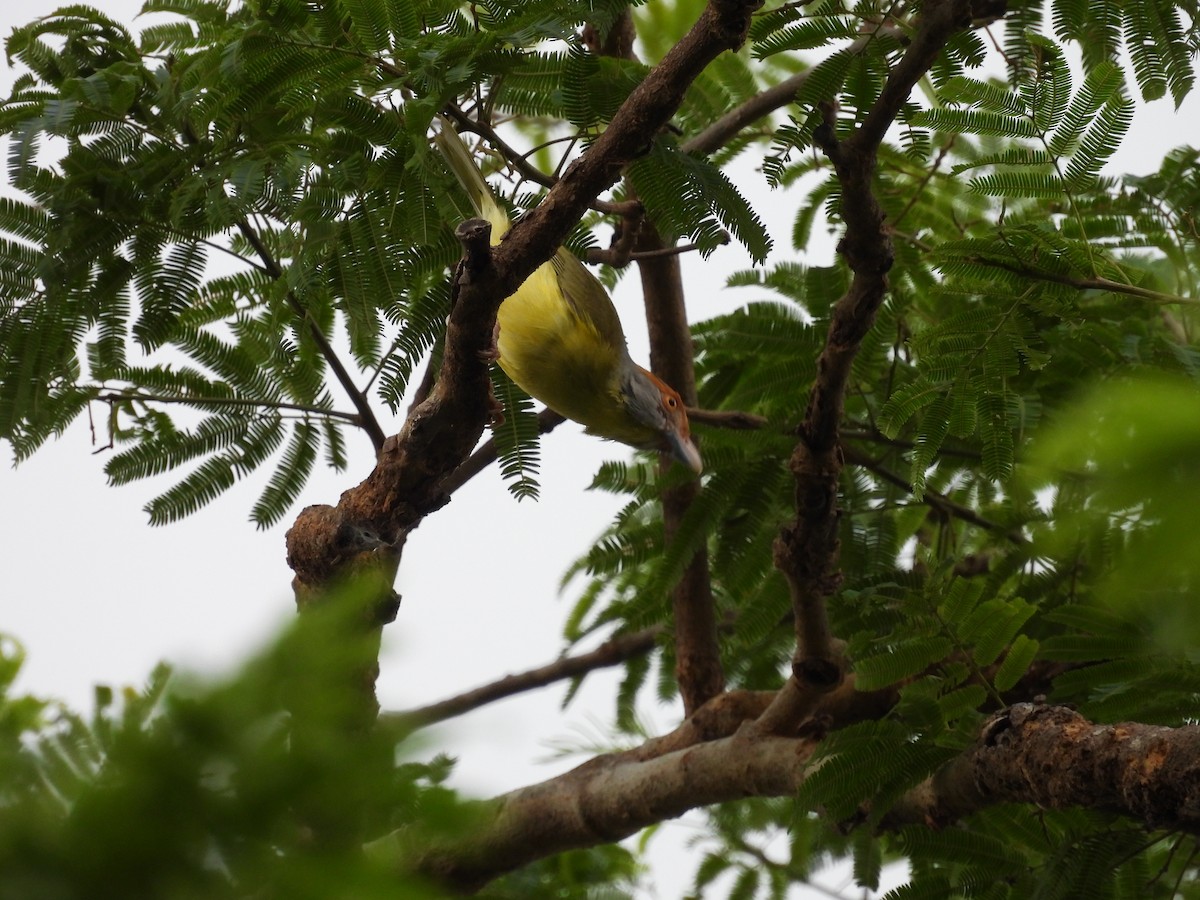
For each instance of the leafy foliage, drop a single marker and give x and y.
(182, 789)
(516, 437)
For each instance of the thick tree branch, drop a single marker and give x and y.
(698, 671)
(1052, 757)
(1039, 755)
(806, 551)
(710, 759)
(612, 652)
(719, 753)
(610, 798)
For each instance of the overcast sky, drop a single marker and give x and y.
(96, 595)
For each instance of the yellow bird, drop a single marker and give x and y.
(561, 340)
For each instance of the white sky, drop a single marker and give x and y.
(98, 596)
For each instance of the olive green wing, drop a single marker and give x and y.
(587, 299)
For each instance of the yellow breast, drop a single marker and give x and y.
(556, 356)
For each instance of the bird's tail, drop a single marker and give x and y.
(462, 164)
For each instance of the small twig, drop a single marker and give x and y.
(609, 258)
(548, 420)
(524, 167)
(124, 396)
(620, 252)
(366, 415)
(733, 419)
(878, 437)
(917, 192)
(722, 131)
(930, 497)
(1081, 284)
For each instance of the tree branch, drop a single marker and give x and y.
(698, 670)
(722, 131)
(528, 170)
(612, 652)
(709, 759)
(1054, 758)
(733, 419)
(930, 497)
(806, 551)
(1043, 755)
(1019, 267)
(548, 420)
(875, 437)
(610, 798)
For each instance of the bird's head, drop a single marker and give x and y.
(658, 408)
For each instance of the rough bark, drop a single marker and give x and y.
(709, 759)
(1052, 757)
(1041, 755)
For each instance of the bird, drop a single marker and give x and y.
(559, 338)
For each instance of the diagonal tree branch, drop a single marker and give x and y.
(521, 163)
(931, 498)
(547, 419)
(726, 128)
(612, 652)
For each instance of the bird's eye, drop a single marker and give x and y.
(671, 402)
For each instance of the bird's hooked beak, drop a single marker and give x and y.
(681, 447)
